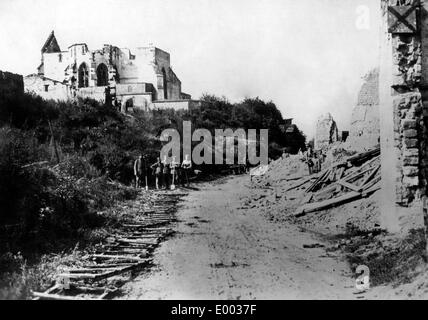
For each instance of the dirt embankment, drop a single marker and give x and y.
(397, 263)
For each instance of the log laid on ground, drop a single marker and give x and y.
(364, 155)
(141, 254)
(317, 181)
(117, 257)
(316, 206)
(371, 183)
(89, 270)
(140, 241)
(300, 184)
(102, 276)
(370, 190)
(371, 175)
(349, 186)
(107, 292)
(55, 287)
(51, 296)
(105, 265)
(87, 289)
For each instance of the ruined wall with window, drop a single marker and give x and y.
(97, 73)
(46, 88)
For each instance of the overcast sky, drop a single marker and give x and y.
(307, 56)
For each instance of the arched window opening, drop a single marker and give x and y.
(129, 105)
(165, 84)
(102, 75)
(83, 76)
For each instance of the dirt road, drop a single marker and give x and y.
(221, 251)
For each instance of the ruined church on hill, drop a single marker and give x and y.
(138, 78)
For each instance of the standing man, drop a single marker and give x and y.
(173, 171)
(317, 164)
(140, 171)
(157, 171)
(165, 173)
(309, 162)
(187, 166)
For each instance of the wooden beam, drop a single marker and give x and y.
(50, 296)
(371, 175)
(317, 206)
(349, 185)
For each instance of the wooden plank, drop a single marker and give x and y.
(50, 290)
(107, 292)
(50, 296)
(102, 276)
(320, 177)
(316, 206)
(88, 289)
(116, 257)
(360, 156)
(349, 186)
(112, 265)
(374, 188)
(88, 270)
(120, 252)
(371, 175)
(140, 241)
(299, 184)
(355, 176)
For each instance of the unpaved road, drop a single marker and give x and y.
(221, 251)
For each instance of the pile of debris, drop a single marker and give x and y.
(348, 180)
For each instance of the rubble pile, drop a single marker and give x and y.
(365, 130)
(356, 177)
(326, 132)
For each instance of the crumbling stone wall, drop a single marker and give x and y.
(365, 130)
(408, 126)
(326, 132)
(408, 115)
(11, 83)
(404, 39)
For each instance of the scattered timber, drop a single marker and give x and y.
(356, 177)
(126, 251)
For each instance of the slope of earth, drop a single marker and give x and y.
(397, 266)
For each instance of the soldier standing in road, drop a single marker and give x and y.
(140, 171)
(157, 171)
(186, 166)
(165, 173)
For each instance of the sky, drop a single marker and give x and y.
(307, 56)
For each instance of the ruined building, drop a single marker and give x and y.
(138, 78)
(326, 132)
(365, 132)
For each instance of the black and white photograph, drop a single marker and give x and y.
(234, 151)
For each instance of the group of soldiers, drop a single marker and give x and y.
(167, 173)
(314, 160)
